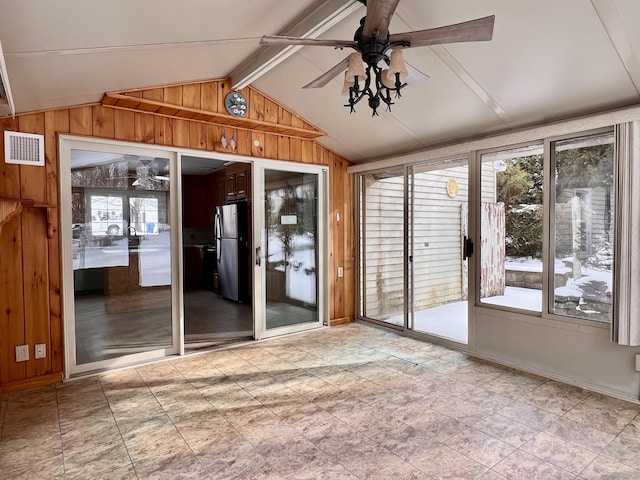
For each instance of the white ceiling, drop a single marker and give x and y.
(548, 60)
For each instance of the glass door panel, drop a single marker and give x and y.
(216, 247)
(382, 246)
(290, 254)
(121, 244)
(438, 226)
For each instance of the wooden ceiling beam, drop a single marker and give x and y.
(321, 19)
(139, 104)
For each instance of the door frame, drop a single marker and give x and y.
(67, 143)
(259, 244)
(410, 203)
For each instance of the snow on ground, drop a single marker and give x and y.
(450, 321)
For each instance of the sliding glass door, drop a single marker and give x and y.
(382, 243)
(130, 280)
(438, 199)
(289, 255)
(413, 248)
(119, 256)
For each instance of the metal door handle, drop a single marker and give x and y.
(467, 248)
(258, 260)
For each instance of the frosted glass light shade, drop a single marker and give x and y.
(356, 67)
(388, 79)
(346, 85)
(396, 65)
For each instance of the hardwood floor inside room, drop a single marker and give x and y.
(346, 402)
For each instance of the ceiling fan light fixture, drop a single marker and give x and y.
(356, 68)
(388, 79)
(397, 65)
(377, 69)
(346, 85)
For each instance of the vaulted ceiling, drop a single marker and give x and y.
(548, 60)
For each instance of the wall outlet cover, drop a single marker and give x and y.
(22, 353)
(41, 350)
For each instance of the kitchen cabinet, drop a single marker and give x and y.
(237, 183)
(220, 189)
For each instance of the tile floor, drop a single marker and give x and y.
(348, 402)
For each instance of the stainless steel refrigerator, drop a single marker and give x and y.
(232, 250)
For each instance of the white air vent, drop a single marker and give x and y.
(23, 148)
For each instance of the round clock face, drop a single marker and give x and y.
(236, 104)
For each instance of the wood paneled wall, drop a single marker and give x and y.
(30, 269)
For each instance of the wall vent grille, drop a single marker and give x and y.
(23, 148)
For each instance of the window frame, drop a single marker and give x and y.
(546, 315)
(477, 201)
(549, 228)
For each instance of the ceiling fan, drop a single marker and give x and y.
(381, 52)
(149, 170)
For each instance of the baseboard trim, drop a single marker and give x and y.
(340, 321)
(28, 383)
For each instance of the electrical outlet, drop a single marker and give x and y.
(22, 353)
(638, 362)
(41, 350)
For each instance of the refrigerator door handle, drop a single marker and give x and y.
(218, 235)
(258, 259)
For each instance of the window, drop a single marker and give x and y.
(511, 232)
(583, 212)
(106, 215)
(580, 211)
(143, 212)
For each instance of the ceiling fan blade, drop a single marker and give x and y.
(379, 13)
(329, 75)
(282, 40)
(415, 77)
(472, 31)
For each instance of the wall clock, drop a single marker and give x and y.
(236, 104)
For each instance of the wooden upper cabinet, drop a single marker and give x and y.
(221, 189)
(242, 179)
(238, 181)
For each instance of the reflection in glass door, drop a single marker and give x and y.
(290, 252)
(382, 242)
(121, 251)
(438, 269)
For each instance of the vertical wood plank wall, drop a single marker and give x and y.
(30, 267)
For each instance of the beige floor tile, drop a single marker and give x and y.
(480, 447)
(524, 466)
(442, 462)
(346, 403)
(625, 451)
(580, 434)
(560, 453)
(604, 468)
